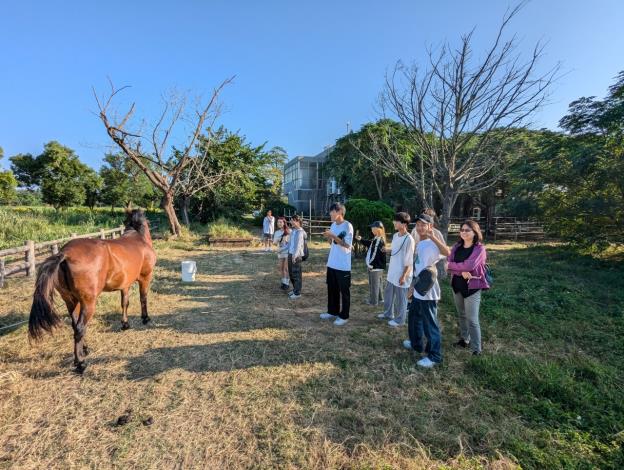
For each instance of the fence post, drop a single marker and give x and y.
(1, 272)
(30, 258)
(102, 235)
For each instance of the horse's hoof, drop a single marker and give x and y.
(85, 350)
(80, 367)
(125, 325)
(146, 320)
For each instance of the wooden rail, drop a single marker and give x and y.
(24, 258)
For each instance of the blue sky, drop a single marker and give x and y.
(303, 69)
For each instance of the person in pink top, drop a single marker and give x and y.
(467, 267)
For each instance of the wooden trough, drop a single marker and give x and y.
(230, 242)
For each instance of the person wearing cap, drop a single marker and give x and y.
(399, 272)
(340, 236)
(442, 264)
(423, 310)
(375, 261)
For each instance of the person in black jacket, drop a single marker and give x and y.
(375, 261)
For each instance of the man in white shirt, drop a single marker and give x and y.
(399, 272)
(268, 228)
(340, 235)
(423, 311)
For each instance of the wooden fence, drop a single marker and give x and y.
(25, 258)
(497, 228)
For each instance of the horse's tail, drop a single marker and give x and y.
(43, 314)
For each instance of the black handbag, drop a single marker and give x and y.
(425, 280)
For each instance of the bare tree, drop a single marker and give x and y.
(456, 112)
(161, 163)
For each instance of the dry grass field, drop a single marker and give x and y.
(234, 375)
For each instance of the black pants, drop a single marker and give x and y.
(296, 276)
(338, 288)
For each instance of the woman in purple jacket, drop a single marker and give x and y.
(467, 269)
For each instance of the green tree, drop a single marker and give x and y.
(124, 184)
(350, 163)
(8, 184)
(63, 177)
(27, 169)
(246, 176)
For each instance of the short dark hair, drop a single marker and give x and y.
(296, 218)
(402, 217)
(474, 226)
(338, 207)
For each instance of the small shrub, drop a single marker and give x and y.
(223, 228)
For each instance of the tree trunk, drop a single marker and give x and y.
(186, 202)
(166, 204)
(448, 202)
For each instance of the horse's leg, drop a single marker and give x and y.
(73, 308)
(125, 301)
(144, 285)
(87, 309)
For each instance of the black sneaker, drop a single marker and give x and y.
(476, 353)
(461, 344)
(284, 286)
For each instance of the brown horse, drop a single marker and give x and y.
(82, 270)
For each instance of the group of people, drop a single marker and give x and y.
(412, 290)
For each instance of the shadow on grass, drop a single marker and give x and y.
(11, 321)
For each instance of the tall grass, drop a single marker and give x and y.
(224, 228)
(18, 224)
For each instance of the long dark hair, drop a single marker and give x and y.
(474, 226)
(286, 229)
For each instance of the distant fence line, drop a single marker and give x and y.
(25, 258)
(498, 228)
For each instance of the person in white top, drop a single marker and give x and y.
(423, 311)
(296, 253)
(340, 236)
(399, 272)
(268, 228)
(281, 239)
(443, 263)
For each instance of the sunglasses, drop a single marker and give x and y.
(465, 230)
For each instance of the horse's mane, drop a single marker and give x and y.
(136, 220)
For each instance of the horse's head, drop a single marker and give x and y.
(136, 220)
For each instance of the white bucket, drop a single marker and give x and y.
(189, 268)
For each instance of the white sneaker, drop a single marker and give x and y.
(407, 344)
(294, 296)
(291, 293)
(382, 316)
(426, 362)
(327, 316)
(394, 324)
(340, 321)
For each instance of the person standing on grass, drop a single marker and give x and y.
(442, 263)
(375, 261)
(268, 228)
(295, 256)
(423, 310)
(399, 272)
(467, 269)
(281, 239)
(340, 236)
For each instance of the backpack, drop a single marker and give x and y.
(306, 253)
(489, 277)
